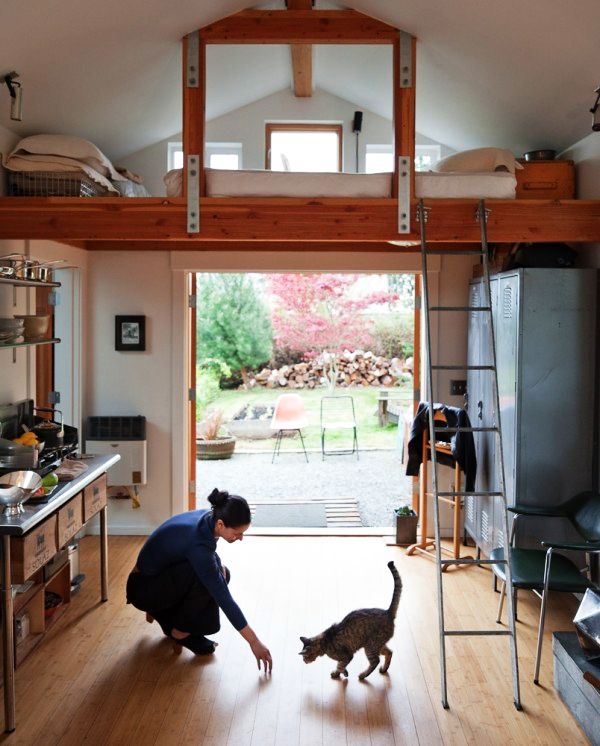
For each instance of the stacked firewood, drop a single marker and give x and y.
(356, 368)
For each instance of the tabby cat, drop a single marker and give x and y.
(364, 628)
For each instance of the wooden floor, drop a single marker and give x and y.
(105, 676)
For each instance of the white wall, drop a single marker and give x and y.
(133, 383)
(586, 154)
(247, 126)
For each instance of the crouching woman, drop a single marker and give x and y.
(179, 579)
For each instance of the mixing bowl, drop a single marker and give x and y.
(17, 487)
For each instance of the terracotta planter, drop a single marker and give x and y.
(406, 529)
(220, 448)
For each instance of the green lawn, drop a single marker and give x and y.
(370, 434)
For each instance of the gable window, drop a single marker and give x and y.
(224, 155)
(303, 147)
(380, 158)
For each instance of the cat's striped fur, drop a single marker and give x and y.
(364, 628)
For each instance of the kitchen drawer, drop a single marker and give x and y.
(546, 180)
(70, 520)
(31, 552)
(94, 497)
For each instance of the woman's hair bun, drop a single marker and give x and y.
(217, 498)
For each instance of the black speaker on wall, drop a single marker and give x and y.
(357, 122)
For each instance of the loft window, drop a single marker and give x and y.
(224, 155)
(303, 147)
(380, 158)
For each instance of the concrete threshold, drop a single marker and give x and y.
(384, 531)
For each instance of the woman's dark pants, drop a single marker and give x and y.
(176, 599)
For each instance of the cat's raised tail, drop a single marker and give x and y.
(397, 590)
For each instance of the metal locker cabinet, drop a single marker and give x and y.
(555, 391)
(507, 321)
(471, 507)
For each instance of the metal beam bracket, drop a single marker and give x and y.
(406, 66)
(404, 194)
(193, 45)
(193, 194)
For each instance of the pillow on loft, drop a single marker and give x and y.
(67, 146)
(478, 160)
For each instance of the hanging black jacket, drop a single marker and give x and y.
(462, 444)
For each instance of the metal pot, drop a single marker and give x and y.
(51, 433)
(540, 155)
(43, 270)
(10, 264)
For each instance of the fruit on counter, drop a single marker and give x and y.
(50, 480)
(27, 439)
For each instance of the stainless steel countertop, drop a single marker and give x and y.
(34, 514)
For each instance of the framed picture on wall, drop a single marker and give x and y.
(130, 333)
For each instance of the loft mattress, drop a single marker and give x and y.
(457, 185)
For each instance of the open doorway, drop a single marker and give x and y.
(323, 339)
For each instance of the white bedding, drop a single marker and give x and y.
(222, 183)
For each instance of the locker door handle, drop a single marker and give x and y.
(480, 410)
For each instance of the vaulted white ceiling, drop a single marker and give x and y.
(513, 74)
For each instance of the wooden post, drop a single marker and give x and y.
(194, 112)
(404, 114)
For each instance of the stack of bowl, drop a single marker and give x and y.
(35, 326)
(11, 330)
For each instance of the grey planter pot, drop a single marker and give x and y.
(406, 529)
(210, 450)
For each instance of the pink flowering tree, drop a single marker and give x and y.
(315, 313)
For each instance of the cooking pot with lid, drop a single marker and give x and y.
(51, 433)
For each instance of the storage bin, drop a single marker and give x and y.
(94, 497)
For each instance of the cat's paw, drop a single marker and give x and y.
(335, 674)
(383, 670)
(362, 676)
(345, 672)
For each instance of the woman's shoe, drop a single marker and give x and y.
(198, 644)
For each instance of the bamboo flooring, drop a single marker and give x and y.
(102, 675)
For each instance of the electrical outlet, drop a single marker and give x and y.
(458, 388)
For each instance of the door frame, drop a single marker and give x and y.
(185, 262)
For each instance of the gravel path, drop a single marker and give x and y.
(377, 480)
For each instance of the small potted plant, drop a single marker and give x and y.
(406, 525)
(212, 442)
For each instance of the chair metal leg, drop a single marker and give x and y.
(538, 654)
(356, 443)
(277, 446)
(303, 446)
(501, 602)
(322, 444)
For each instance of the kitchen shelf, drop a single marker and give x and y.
(31, 343)
(27, 283)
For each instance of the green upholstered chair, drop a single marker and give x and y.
(543, 570)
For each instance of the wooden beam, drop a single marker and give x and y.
(292, 219)
(404, 113)
(356, 247)
(298, 27)
(194, 101)
(302, 55)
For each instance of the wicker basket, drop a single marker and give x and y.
(52, 184)
(210, 450)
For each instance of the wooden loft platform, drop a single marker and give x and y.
(330, 224)
(109, 222)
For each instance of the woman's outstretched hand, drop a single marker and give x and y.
(262, 654)
(260, 651)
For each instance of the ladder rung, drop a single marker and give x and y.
(465, 429)
(469, 561)
(463, 367)
(471, 494)
(460, 308)
(479, 632)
